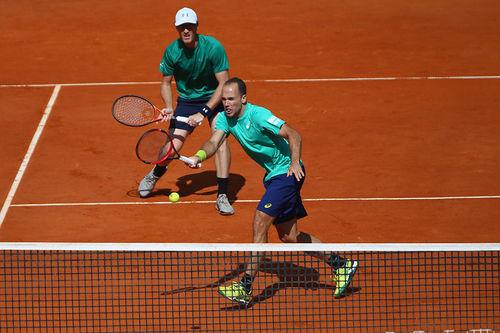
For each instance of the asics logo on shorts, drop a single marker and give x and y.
(268, 205)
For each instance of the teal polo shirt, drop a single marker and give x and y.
(257, 130)
(194, 69)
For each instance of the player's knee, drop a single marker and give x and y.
(261, 223)
(259, 226)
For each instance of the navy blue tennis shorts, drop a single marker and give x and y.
(282, 198)
(186, 108)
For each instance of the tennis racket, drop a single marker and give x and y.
(156, 146)
(136, 111)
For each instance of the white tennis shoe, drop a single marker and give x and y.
(147, 184)
(223, 206)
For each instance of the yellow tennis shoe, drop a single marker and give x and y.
(236, 293)
(343, 277)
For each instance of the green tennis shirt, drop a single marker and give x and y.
(194, 69)
(257, 130)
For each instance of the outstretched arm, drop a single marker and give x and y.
(210, 146)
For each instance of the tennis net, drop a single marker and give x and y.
(56, 287)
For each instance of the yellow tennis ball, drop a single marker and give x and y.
(174, 197)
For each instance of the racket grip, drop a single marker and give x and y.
(189, 161)
(184, 119)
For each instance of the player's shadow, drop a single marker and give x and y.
(229, 276)
(203, 183)
(290, 275)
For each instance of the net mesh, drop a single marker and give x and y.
(177, 291)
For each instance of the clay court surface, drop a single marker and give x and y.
(397, 103)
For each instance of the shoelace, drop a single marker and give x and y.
(150, 178)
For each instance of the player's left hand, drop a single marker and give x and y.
(296, 170)
(195, 119)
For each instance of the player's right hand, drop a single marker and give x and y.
(167, 114)
(295, 169)
(196, 160)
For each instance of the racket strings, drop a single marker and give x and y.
(154, 146)
(134, 111)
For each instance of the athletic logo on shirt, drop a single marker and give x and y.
(273, 120)
(247, 125)
(268, 205)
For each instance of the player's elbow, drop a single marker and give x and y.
(290, 134)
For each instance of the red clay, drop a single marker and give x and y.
(376, 139)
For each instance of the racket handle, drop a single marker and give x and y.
(184, 119)
(189, 161)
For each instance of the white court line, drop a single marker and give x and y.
(473, 77)
(126, 203)
(389, 78)
(29, 153)
(83, 84)
(57, 87)
(238, 247)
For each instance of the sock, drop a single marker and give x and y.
(247, 281)
(159, 170)
(336, 261)
(222, 183)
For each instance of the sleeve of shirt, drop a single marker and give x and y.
(218, 57)
(221, 123)
(166, 64)
(268, 121)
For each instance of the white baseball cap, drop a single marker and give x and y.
(185, 15)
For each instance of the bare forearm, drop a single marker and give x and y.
(216, 97)
(197, 118)
(166, 95)
(222, 77)
(295, 142)
(210, 148)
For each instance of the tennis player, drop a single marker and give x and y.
(275, 146)
(200, 66)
